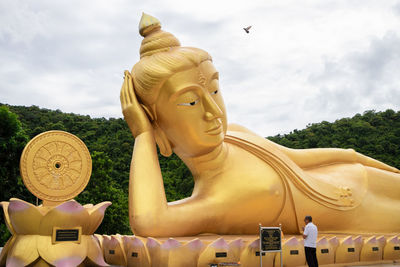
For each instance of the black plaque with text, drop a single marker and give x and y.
(67, 235)
(270, 239)
(221, 254)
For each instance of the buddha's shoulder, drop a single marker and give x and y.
(237, 131)
(249, 140)
(233, 127)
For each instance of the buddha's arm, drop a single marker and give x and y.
(146, 189)
(149, 212)
(309, 158)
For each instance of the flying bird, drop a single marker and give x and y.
(247, 29)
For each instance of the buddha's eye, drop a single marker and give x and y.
(214, 87)
(189, 104)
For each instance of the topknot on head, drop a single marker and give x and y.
(155, 40)
(148, 24)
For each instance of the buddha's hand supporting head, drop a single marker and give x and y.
(133, 111)
(177, 94)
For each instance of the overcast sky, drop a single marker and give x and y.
(303, 61)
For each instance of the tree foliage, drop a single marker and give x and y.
(12, 142)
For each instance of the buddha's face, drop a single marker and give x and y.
(191, 112)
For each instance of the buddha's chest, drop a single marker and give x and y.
(245, 177)
(247, 188)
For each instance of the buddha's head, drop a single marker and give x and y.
(178, 88)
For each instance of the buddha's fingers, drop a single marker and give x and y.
(125, 94)
(123, 98)
(131, 91)
(368, 161)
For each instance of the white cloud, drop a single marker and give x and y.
(301, 63)
(360, 80)
(19, 23)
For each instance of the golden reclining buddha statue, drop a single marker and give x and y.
(171, 99)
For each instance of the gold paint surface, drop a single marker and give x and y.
(55, 166)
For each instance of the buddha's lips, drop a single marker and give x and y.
(215, 130)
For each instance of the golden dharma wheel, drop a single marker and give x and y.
(55, 166)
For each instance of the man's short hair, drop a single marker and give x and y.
(308, 218)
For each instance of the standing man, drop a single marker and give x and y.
(310, 234)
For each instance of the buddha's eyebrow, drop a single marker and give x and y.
(215, 76)
(185, 89)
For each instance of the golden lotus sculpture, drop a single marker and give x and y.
(55, 166)
(34, 233)
(172, 99)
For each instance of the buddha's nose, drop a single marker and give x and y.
(211, 108)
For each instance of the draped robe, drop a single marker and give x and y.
(347, 191)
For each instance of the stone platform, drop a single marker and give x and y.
(235, 250)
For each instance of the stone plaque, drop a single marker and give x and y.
(55, 166)
(270, 239)
(351, 250)
(324, 250)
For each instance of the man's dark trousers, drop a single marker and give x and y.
(311, 256)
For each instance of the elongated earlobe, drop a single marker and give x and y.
(148, 112)
(162, 141)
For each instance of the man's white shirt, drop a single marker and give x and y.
(311, 231)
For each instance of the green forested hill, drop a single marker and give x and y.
(110, 142)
